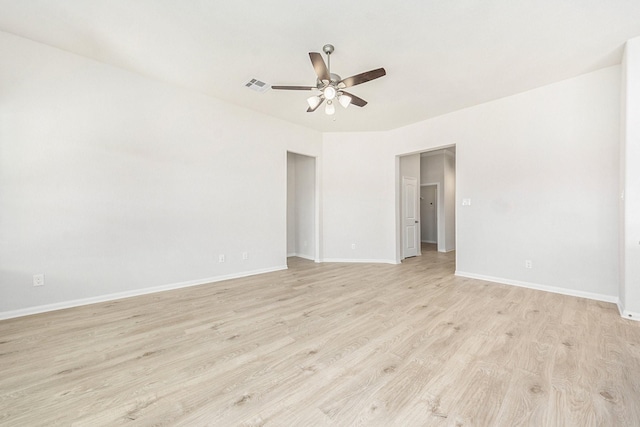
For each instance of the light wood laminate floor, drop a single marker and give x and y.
(327, 344)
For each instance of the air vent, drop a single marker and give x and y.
(257, 85)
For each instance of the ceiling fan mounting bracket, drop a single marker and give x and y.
(328, 49)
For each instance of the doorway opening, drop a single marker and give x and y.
(302, 239)
(429, 213)
(435, 171)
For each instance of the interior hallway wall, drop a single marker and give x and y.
(429, 213)
(630, 183)
(301, 206)
(439, 167)
(449, 191)
(292, 238)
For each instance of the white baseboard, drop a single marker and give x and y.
(529, 285)
(629, 315)
(430, 241)
(129, 294)
(364, 261)
(310, 258)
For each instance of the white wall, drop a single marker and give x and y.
(306, 207)
(540, 168)
(439, 167)
(449, 190)
(630, 182)
(429, 214)
(432, 171)
(292, 238)
(359, 195)
(301, 206)
(432, 167)
(410, 166)
(111, 183)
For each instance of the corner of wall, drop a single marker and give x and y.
(625, 314)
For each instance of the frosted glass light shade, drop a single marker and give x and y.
(314, 101)
(330, 109)
(329, 92)
(344, 100)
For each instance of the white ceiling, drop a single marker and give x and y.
(440, 56)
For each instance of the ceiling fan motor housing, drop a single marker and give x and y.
(334, 81)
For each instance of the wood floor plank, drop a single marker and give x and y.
(327, 345)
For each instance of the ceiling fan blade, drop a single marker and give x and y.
(311, 110)
(319, 66)
(362, 77)
(293, 87)
(358, 102)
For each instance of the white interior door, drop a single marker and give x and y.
(410, 215)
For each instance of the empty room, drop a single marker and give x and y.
(289, 213)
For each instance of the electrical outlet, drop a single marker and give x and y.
(221, 258)
(245, 255)
(353, 246)
(38, 280)
(528, 264)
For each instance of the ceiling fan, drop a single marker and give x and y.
(331, 86)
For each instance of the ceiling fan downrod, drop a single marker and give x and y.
(330, 90)
(328, 50)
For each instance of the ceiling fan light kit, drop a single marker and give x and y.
(330, 92)
(330, 109)
(331, 86)
(314, 101)
(344, 100)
